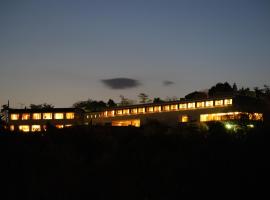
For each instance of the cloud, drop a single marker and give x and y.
(121, 83)
(168, 83)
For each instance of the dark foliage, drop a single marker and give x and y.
(196, 95)
(221, 89)
(90, 105)
(130, 163)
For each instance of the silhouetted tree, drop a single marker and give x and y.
(90, 105)
(196, 95)
(125, 101)
(234, 88)
(157, 100)
(143, 98)
(111, 103)
(220, 89)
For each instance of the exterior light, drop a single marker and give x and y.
(250, 126)
(229, 126)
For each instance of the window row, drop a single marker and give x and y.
(39, 116)
(231, 116)
(35, 128)
(165, 108)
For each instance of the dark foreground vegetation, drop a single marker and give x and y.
(153, 162)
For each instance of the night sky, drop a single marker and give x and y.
(63, 51)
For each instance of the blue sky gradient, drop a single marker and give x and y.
(58, 51)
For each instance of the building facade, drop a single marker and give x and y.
(172, 114)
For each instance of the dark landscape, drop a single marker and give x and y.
(151, 162)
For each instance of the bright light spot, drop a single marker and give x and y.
(250, 126)
(228, 126)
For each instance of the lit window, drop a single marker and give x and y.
(105, 113)
(70, 115)
(14, 116)
(133, 122)
(141, 110)
(227, 102)
(59, 126)
(24, 128)
(191, 105)
(126, 111)
(119, 112)
(174, 107)
(200, 104)
(183, 106)
(184, 118)
(166, 108)
(36, 116)
(68, 125)
(150, 109)
(157, 108)
(222, 116)
(36, 128)
(11, 128)
(47, 115)
(218, 102)
(59, 116)
(111, 113)
(134, 111)
(256, 116)
(25, 116)
(209, 103)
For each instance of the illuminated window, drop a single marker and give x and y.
(184, 118)
(59, 126)
(105, 113)
(119, 112)
(25, 116)
(11, 128)
(174, 107)
(157, 108)
(141, 110)
(59, 116)
(44, 127)
(183, 106)
(24, 128)
(14, 116)
(227, 102)
(191, 105)
(111, 113)
(134, 110)
(166, 108)
(223, 116)
(126, 111)
(35, 128)
(218, 102)
(47, 115)
(200, 104)
(70, 115)
(68, 125)
(134, 122)
(256, 116)
(150, 109)
(36, 116)
(209, 103)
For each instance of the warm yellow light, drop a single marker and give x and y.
(70, 115)
(68, 125)
(219, 103)
(191, 105)
(141, 110)
(47, 115)
(59, 126)
(24, 128)
(134, 110)
(150, 109)
(157, 108)
(209, 103)
(227, 102)
(36, 116)
(25, 116)
(35, 128)
(11, 128)
(200, 104)
(174, 107)
(183, 106)
(133, 122)
(166, 108)
(184, 118)
(125, 111)
(14, 116)
(119, 112)
(59, 116)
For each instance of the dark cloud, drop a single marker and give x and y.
(168, 83)
(121, 83)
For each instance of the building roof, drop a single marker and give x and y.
(43, 110)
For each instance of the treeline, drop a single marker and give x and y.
(153, 162)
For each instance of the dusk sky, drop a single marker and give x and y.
(63, 51)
